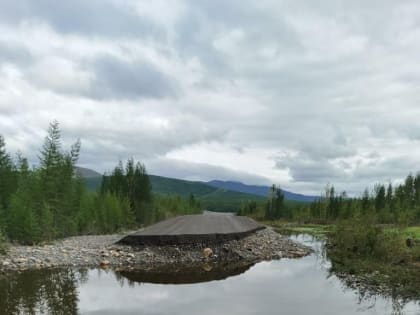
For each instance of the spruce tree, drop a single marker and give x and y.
(8, 180)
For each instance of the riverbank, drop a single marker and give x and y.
(101, 251)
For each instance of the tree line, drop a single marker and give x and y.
(385, 204)
(272, 209)
(51, 201)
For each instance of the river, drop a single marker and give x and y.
(287, 286)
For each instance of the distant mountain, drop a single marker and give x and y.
(214, 195)
(174, 186)
(86, 172)
(211, 198)
(258, 190)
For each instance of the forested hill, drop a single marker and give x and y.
(174, 186)
(86, 172)
(163, 185)
(258, 190)
(210, 196)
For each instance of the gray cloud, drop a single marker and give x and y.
(121, 79)
(307, 169)
(87, 18)
(289, 92)
(12, 53)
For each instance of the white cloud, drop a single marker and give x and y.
(290, 92)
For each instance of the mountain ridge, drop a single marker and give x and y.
(258, 190)
(214, 194)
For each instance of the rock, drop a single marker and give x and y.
(20, 260)
(207, 252)
(104, 263)
(34, 260)
(102, 250)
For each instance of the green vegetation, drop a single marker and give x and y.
(169, 206)
(132, 186)
(398, 282)
(3, 246)
(412, 231)
(272, 208)
(374, 227)
(210, 198)
(183, 188)
(360, 238)
(376, 257)
(93, 184)
(43, 203)
(226, 200)
(46, 291)
(317, 230)
(51, 201)
(385, 205)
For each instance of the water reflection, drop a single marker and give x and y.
(41, 292)
(288, 286)
(184, 274)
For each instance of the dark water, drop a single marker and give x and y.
(288, 286)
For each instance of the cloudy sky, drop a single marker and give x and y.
(298, 93)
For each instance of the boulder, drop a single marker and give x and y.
(104, 263)
(207, 252)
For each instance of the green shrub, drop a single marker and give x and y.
(3, 246)
(362, 238)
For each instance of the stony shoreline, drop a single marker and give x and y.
(101, 251)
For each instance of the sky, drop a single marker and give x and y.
(296, 93)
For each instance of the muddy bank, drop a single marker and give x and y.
(101, 250)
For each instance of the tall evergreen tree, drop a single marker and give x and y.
(275, 208)
(131, 183)
(8, 178)
(380, 198)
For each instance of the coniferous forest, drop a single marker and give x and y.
(385, 204)
(51, 201)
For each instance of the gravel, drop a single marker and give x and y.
(101, 251)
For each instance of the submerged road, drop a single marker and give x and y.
(207, 227)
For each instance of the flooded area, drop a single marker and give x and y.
(286, 286)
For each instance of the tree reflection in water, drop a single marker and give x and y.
(41, 291)
(55, 291)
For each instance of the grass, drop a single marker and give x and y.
(324, 229)
(283, 227)
(316, 230)
(412, 231)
